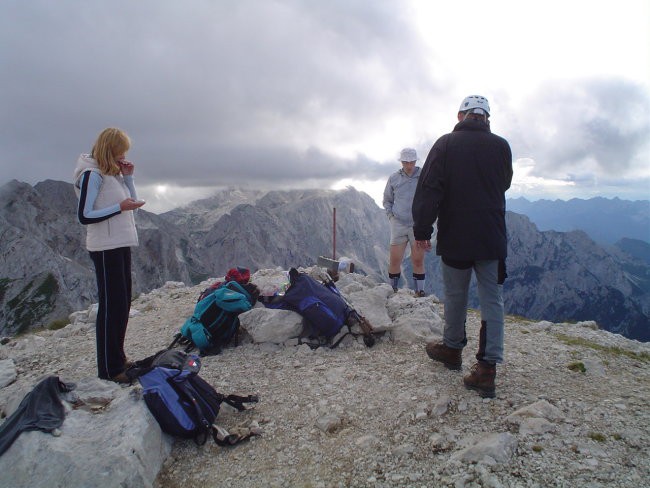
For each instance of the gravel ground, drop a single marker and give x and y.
(390, 417)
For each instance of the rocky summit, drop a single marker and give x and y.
(571, 408)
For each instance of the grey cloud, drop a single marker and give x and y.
(566, 124)
(267, 166)
(197, 86)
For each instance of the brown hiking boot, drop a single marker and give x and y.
(481, 378)
(121, 378)
(451, 358)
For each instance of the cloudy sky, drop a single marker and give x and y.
(308, 93)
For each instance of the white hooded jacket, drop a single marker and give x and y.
(118, 230)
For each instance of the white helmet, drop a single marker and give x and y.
(476, 102)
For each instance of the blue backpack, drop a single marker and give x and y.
(183, 403)
(215, 319)
(324, 310)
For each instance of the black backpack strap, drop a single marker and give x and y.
(237, 401)
(202, 436)
(338, 341)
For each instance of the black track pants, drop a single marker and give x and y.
(113, 271)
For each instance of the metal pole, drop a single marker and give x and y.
(334, 238)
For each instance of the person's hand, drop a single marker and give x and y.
(126, 167)
(131, 204)
(425, 245)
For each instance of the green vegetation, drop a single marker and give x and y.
(32, 303)
(597, 436)
(614, 351)
(577, 366)
(58, 324)
(522, 319)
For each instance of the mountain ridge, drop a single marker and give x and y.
(46, 273)
(605, 220)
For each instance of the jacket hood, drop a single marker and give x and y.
(84, 163)
(470, 124)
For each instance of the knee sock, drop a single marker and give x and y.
(394, 279)
(418, 279)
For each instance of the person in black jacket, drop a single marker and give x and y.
(462, 186)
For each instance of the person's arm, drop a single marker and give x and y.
(90, 184)
(509, 166)
(389, 198)
(128, 180)
(429, 193)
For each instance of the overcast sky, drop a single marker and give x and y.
(295, 94)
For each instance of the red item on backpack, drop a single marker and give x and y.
(238, 274)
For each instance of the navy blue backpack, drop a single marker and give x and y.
(183, 403)
(324, 310)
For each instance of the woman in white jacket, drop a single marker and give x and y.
(103, 181)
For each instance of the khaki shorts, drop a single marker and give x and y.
(400, 233)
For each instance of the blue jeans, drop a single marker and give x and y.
(490, 296)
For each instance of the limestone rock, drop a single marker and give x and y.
(498, 447)
(122, 446)
(7, 372)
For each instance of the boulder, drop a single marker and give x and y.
(113, 442)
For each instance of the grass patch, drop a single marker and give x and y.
(58, 324)
(597, 436)
(614, 351)
(577, 366)
(35, 300)
(522, 319)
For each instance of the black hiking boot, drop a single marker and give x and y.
(481, 378)
(451, 358)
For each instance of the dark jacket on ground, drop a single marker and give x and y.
(463, 185)
(41, 409)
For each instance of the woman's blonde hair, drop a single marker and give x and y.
(110, 143)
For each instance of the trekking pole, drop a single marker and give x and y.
(334, 236)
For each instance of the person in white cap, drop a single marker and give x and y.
(398, 199)
(462, 186)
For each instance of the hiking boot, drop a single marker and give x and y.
(451, 358)
(420, 294)
(395, 289)
(121, 378)
(481, 378)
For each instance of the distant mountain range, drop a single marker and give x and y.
(606, 221)
(45, 273)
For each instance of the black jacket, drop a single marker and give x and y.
(463, 185)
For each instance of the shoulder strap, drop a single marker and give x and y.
(202, 434)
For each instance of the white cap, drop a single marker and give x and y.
(408, 154)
